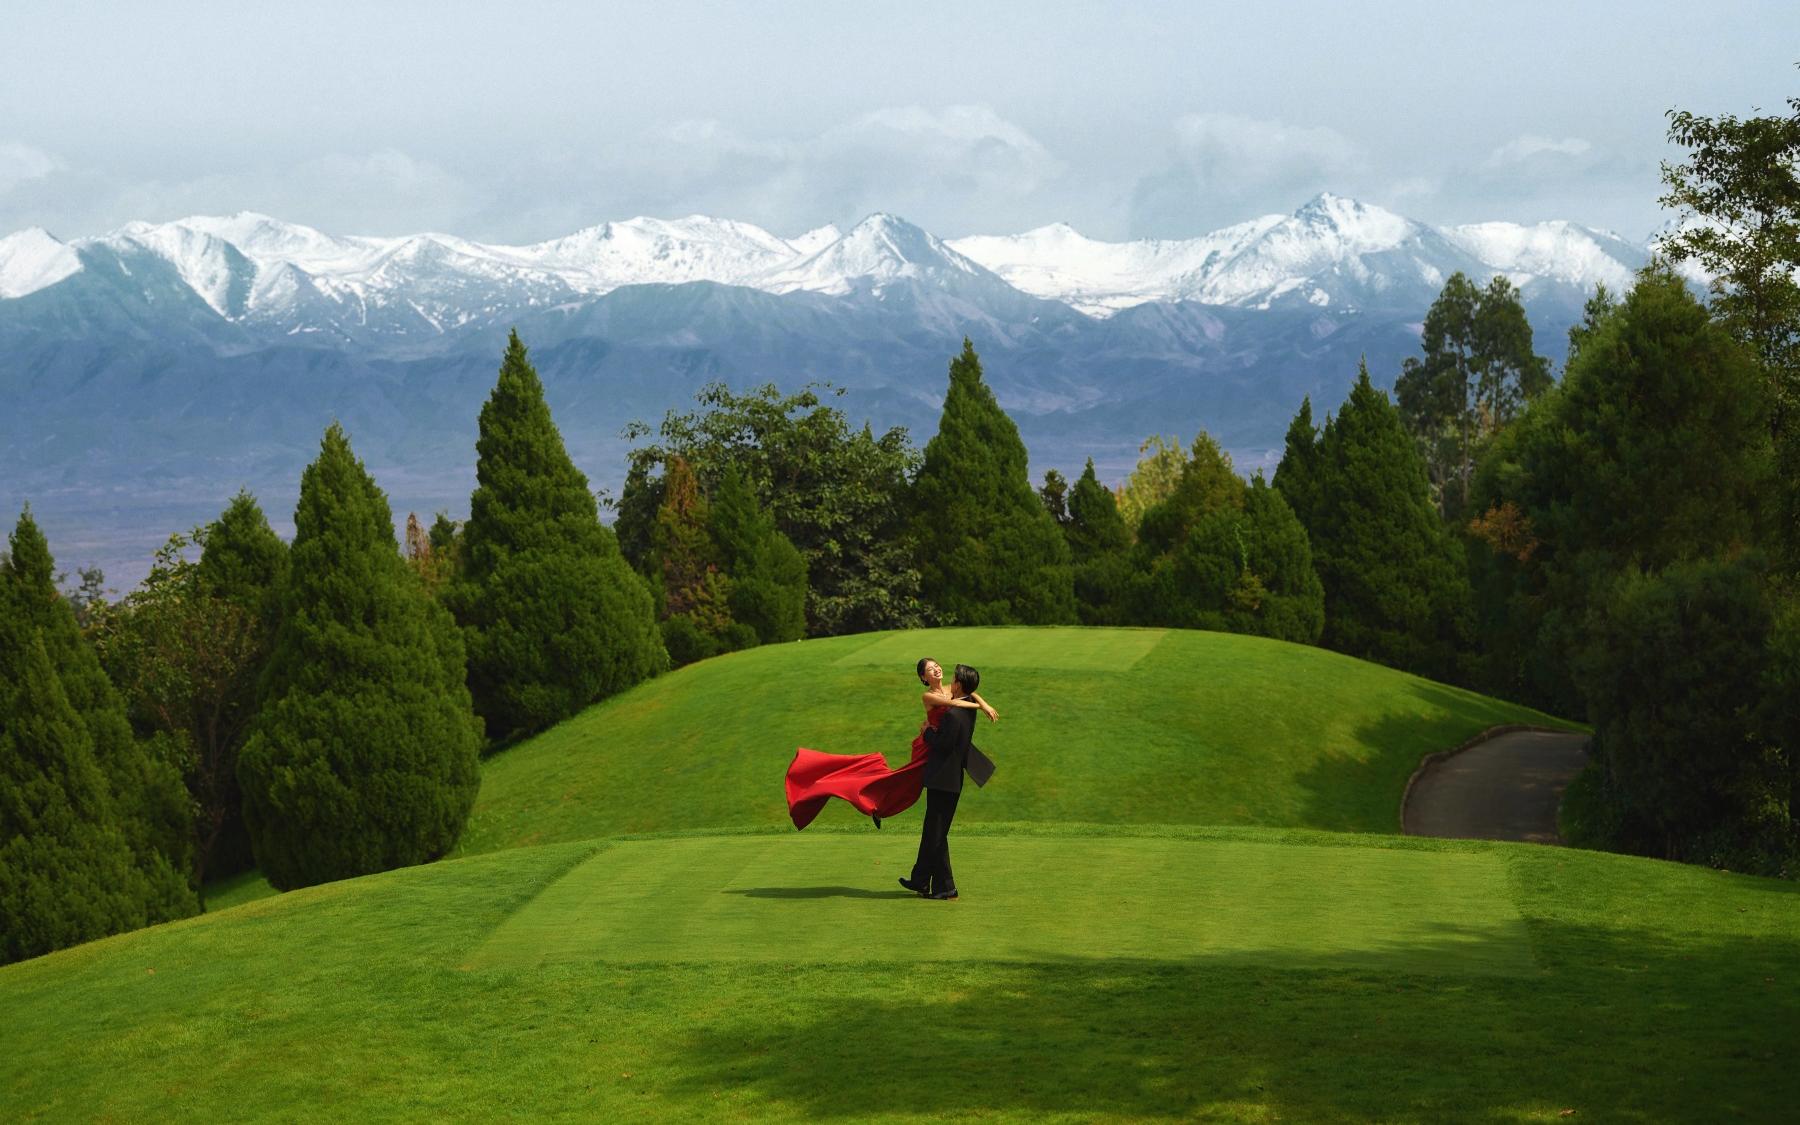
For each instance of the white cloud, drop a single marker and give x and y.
(1224, 168)
(952, 166)
(20, 163)
(1523, 148)
(1228, 153)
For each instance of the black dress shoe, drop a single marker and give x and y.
(942, 896)
(915, 888)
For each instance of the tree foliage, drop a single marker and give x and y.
(363, 753)
(1395, 586)
(1477, 373)
(989, 552)
(1161, 461)
(836, 492)
(1738, 198)
(552, 615)
(93, 828)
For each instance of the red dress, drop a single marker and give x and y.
(862, 779)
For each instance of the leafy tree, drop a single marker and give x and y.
(1477, 373)
(1396, 590)
(149, 804)
(989, 552)
(552, 615)
(1739, 189)
(187, 663)
(836, 492)
(363, 753)
(1674, 672)
(1660, 405)
(768, 576)
(1160, 464)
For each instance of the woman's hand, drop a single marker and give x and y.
(993, 715)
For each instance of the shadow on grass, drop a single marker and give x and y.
(817, 892)
(1633, 1027)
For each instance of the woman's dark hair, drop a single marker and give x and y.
(967, 678)
(924, 660)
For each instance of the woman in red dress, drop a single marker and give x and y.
(865, 779)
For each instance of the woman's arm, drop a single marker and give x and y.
(942, 698)
(993, 715)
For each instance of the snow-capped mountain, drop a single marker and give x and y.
(1332, 253)
(291, 280)
(188, 358)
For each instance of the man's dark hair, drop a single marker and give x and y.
(924, 660)
(967, 678)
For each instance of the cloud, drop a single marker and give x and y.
(954, 167)
(381, 192)
(1523, 148)
(21, 163)
(1223, 168)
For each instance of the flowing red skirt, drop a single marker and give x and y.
(862, 779)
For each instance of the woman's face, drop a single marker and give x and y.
(933, 672)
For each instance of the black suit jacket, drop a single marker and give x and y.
(952, 753)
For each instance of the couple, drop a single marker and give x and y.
(940, 755)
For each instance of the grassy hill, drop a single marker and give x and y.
(1217, 974)
(1109, 726)
(636, 932)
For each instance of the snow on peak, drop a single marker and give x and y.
(816, 239)
(1560, 251)
(34, 259)
(881, 249)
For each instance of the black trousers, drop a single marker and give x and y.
(932, 871)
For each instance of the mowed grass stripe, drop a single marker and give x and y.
(1061, 649)
(833, 899)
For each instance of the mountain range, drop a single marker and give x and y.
(147, 373)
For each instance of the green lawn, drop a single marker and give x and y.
(1212, 974)
(1104, 726)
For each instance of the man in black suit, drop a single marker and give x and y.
(951, 754)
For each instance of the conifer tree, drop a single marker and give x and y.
(243, 564)
(148, 800)
(553, 616)
(768, 576)
(1099, 545)
(1297, 477)
(989, 552)
(67, 874)
(696, 607)
(1396, 587)
(1095, 526)
(363, 754)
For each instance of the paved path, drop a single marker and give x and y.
(1507, 788)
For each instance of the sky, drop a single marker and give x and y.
(520, 121)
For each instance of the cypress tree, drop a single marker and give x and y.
(1396, 587)
(1099, 545)
(1297, 477)
(67, 874)
(553, 616)
(363, 754)
(148, 799)
(244, 564)
(768, 576)
(989, 552)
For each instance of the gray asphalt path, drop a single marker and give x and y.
(1507, 788)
